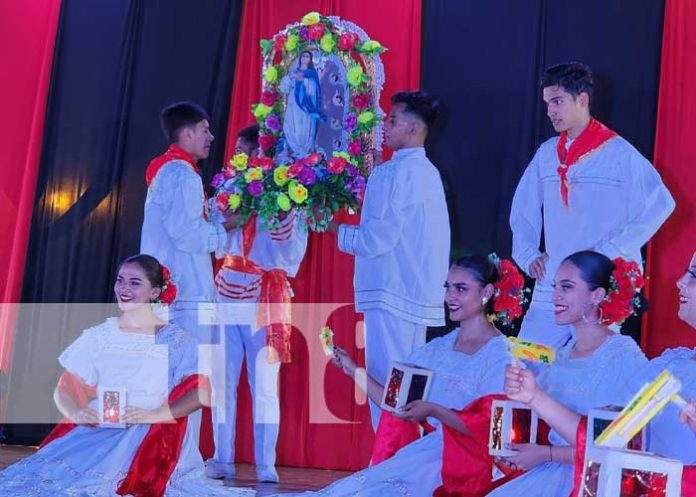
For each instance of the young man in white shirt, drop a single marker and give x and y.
(176, 226)
(587, 189)
(272, 256)
(402, 244)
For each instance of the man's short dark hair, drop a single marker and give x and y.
(574, 77)
(250, 135)
(419, 104)
(180, 115)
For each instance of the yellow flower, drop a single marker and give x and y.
(283, 202)
(291, 43)
(271, 74)
(234, 201)
(311, 18)
(280, 175)
(366, 117)
(343, 155)
(239, 161)
(355, 75)
(253, 174)
(371, 46)
(297, 192)
(261, 111)
(327, 43)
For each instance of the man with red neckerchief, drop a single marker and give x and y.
(176, 226)
(586, 189)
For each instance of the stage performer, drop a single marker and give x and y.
(401, 246)
(669, 433)
(467, 363)
(256, 266)
(586, 189)
(176, 228)
(155, 363)
(590, 371)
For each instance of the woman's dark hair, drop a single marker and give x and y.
(595, 268)
(151, 266)
(482, 269)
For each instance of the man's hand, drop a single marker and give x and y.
(231, 222)
(537, 269)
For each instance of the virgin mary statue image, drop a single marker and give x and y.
(303, 111)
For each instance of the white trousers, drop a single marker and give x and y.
(387, 339)
(244, 341)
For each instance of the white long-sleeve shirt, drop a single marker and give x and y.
(617, 201)
(281, 248)
(176, 232)
(402, 244)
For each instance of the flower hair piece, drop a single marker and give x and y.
(510, 293)
(169, 289)
(623, 298)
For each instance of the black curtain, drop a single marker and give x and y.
(116, 65)
(485, 60)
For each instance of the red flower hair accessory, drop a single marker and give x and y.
(169, 289)
(623, 298)
(510, 293)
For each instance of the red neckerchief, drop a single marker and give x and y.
(174, 152)
(593, 136)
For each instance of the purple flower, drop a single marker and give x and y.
(307, 176)
(350, 122)
(255, 188)
(273, 123)
(217, 180)
(304, 33)
(351, 170)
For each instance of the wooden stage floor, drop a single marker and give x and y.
(291, 479)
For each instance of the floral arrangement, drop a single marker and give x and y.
(249, 185)
(623, 298)
(273, 183)
(169, 289)
(510, 293)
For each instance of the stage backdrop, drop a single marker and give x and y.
(117, 64)
(675, 156)
(25, 28)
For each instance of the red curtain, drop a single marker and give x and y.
(675, 156)
(27, 37)
(326, 274)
